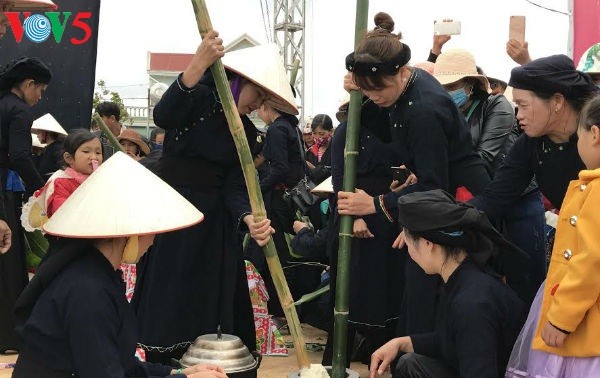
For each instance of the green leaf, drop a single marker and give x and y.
(312, 296)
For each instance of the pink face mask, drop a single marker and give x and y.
(322, 141)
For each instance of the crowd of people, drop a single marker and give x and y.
(455, 271)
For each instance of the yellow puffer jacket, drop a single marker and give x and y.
(571, 294)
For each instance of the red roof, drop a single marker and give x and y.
(168, 61)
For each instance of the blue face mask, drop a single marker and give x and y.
(459, 96)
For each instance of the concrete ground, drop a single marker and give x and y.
(271, 367)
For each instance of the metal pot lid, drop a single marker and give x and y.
(227, 351)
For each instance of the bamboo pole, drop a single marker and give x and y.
(109, 135)
(342, 289)
(294, 73)
(256, 202)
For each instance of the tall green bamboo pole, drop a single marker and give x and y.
(256, 202)
(342, 289)
(294, 72)
(109, 135)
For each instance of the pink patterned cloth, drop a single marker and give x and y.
(129, 276)
(269, 341)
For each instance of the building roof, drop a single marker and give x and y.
(174, 62)
(168, 62)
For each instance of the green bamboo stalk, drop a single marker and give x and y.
(342, 289)
(109, 135)
(294, 73)
(256, 202)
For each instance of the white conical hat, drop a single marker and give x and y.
(35, 141)
(147, 206)
(263, 66)
(324, 188)
(47, 123)
(30, 5)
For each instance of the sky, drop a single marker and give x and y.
(129, 29)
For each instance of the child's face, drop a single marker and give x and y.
(85, 154)
(587, 146)
(130, 148)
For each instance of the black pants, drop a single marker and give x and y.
(412, 365)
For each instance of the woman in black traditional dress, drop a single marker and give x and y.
(429, 134)
(205, 286)
(22, 83)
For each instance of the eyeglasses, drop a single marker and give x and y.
(494, 85)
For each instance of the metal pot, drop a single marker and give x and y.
(227, 351)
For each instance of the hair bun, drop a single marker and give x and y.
(384, 21)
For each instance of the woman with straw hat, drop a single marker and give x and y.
(491, 122)
(73, 317)
(22, 83)
(50, 133)
(133, 144)
(207, 282)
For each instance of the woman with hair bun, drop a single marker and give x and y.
(431, 137)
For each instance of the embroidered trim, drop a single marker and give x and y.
(384, 210)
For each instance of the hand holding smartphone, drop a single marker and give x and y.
(400, 174)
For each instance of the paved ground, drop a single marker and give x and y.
(271, 367)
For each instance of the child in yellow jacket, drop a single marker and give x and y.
(563, 327)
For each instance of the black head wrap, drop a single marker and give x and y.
(22, 69)
(363, 65)
(552, 74)
(436, 216)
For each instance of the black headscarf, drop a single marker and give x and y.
(552, 74)
(436, 216)
(23, 69)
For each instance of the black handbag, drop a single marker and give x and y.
(300, 196)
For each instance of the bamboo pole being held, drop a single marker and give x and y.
(256, 202)
(109, 135)
(294, 73)
(342, 288)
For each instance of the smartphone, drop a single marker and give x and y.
(400, 174)
(446, 27)
(516, 28)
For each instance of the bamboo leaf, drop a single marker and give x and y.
(312, 296)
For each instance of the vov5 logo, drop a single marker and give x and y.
(38, 27)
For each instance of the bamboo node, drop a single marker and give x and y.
(348, 235)
(336, 312)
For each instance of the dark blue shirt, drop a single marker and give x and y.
(82, 324)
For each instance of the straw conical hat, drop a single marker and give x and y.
(47, 123)
(30, 5)
(263, 66)
(94, 211)
(35, 141)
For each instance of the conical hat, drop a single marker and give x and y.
(31, 5)
(147, 206)
(35, 141)
(47, 123)
(590, 60)
(325, 187)
(263, 66)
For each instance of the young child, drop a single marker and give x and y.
(563, 327)
(83, 154)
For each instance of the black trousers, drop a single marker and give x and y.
(412, 365)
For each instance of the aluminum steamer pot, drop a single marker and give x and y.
(227, 351)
